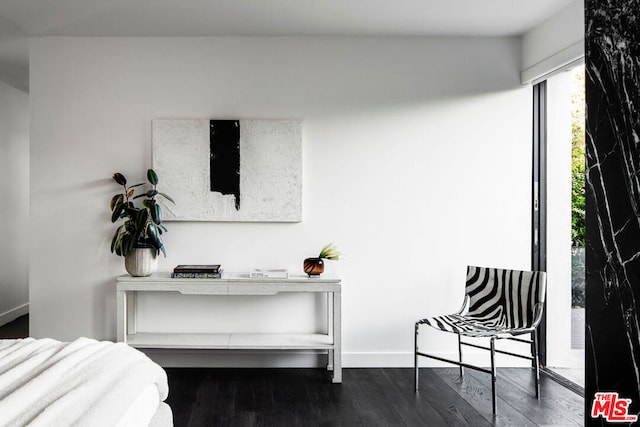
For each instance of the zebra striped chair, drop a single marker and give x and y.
(498, 304)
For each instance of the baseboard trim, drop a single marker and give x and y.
(13, 314)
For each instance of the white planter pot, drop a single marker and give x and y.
(141, 262)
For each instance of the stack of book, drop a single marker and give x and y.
(186, 271)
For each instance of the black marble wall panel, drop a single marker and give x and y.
(613, 201)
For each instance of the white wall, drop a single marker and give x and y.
(14, 203)
(416, 162)
(555, 43)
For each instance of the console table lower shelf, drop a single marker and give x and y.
(231, 341)
(128, 287)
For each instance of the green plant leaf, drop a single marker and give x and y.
(152, 233)
(115, 200)
(150, 194)
(119, 244)
(156, 213)
(129, 243)
(167, 197)
(141, 219)
(329, 251)
(152, 176)
(117, 211)
(134, 222)
(119, 178)
(154, 237)
(116, 236)
(130, 210)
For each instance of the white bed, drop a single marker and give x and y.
(86, 382)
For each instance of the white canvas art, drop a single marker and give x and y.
(230, 170)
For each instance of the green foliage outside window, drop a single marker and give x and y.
(578, 160)
(578, 190)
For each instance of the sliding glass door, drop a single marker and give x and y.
(559, 235)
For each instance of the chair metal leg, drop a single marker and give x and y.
(415, 356)
(536, 362)
(493, 374)
(460, 355)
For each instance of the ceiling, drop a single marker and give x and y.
(21, 19)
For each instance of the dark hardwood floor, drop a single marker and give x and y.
(367, 397)
(18, 328)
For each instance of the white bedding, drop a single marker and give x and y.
(84, 383)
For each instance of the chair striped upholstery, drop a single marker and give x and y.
(498, 304)
(498, 301)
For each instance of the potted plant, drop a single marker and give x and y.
(138, 239)
(315, 266)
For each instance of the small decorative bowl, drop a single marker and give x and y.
(313, 266)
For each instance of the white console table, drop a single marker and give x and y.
(232, 284)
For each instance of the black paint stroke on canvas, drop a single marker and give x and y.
(613, 200)
(224, 160)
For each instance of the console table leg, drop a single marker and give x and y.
(330, 329)
(121, 315)
(131, 313)
(337, 338)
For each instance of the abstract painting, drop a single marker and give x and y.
(230, 170)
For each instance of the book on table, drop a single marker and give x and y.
(195, 275)
(197, 268)
(197, 271)
(278, 273)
